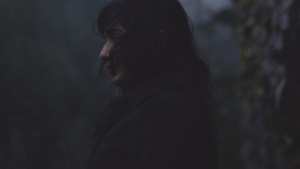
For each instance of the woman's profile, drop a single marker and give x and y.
(162, 118)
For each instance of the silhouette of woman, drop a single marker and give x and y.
(162, 119)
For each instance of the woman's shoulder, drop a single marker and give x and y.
(172, 104)
(172, 98)
(172, 115)
(171, 129)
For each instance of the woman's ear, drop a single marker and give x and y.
(162, 41)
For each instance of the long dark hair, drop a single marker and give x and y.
(158, 44)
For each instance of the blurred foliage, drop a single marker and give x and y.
(269, 35)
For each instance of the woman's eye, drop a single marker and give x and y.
(114, 38)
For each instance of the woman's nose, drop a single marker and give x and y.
(104, 54)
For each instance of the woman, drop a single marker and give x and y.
(162, 118)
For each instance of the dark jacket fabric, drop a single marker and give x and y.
(168, 130)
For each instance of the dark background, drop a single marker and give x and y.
(51, 93)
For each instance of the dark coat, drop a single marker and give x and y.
(169, 130)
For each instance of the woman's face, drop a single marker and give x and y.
(118, 72)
